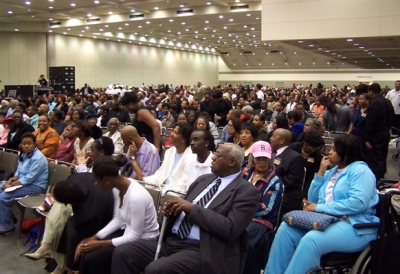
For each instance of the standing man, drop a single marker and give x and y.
(86, 90)
(289, 167)
(206, 231)
(394, 97)
(377, 135)
(222, 107)
(43, 81)
(199, 92)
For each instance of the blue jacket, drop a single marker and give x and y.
(33, 169)
(354, 195)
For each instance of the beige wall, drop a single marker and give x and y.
(100, 62)
(22, 58)
(310, 19)
(328, 77)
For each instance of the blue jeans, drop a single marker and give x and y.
(6, 203)
(297, 251)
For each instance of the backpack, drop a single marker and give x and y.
(33, 236)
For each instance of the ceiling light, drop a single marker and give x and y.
(206, 21)
(64, 32)
(106, 26)
(231, 20)
(89, 14)
(50, 7)
(295, 52)
(169, 30)
(119, 28)
(27, 2)
(237, 1)
(225, 27)
(16, 29)
(139, 27)
(171, 20)
(51, 0)
(132, 10)
(110, 12)
(311, 45)
(300, 41)
(361, 47)
(80, 35)
(221, 16)
(183, 23)
(96, 1)
(86, 27)
(100, 29)
(252, 28)
(50, 30)
(349, 39)
(9, 12)
(257, 18)
(126, 24)
(51, 19)
(248, 14)
(73, 4)
(156, 8)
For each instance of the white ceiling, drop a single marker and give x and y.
(213, 27)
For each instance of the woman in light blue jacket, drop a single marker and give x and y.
(348, 190)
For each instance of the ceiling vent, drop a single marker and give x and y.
(91, 20)
(134, 16)
(52, 24)
(239, 7)
(184, 11)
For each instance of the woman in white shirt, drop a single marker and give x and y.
(115, 135)
(202, 145)
(133, 209)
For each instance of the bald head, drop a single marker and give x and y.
(285, 134)
(129, 134)
(280, 138)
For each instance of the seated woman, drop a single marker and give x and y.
(66, 150)
(83, 141)
(234, 131)
(77, 115)
(59, 213)
(91, 119)
(17, 129)
(203, 123)
(56, 118)
(348, 190)
(261, 174)
(31, 178)
(310, 150)
(202, 145)
(259, 121)
(169, 175)
(115, 135)
(248, 135)
(133, 209)
(6, 123)
(61, 105)
(47, 139)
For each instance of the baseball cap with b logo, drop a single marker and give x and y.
(261, 149)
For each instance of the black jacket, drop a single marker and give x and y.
(13, 143)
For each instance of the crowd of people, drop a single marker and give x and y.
(237, 157)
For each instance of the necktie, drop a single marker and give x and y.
(186, 226)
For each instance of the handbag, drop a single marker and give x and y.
(308, 220)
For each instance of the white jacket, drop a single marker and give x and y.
(177, 180)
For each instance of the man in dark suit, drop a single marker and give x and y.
(377, 126)
(200, 239)
(86, 90)
(289, 168)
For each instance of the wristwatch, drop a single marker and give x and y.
(133, 158)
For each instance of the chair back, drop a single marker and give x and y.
(279, 219)
(154, 191)
(9, 161)
(50, 182)
(61, 173)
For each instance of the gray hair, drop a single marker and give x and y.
(236, 152)
(248, 109)
(5, 102)
(16, 102)
(114, 119)
(315, 123)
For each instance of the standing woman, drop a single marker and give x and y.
(142, 119)
(133, 208)
(32, 174)
(47, 139)
(359, 118)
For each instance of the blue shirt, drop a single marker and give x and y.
(52, 105)
(34, 121)
(225, 135)
(195, 231)
(33, 169)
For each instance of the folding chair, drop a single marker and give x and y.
(34, 201)
(154, 191)
(9, 161)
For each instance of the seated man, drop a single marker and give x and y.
(143, 157)
(289, 168)
(208, 226)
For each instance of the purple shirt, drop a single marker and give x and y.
(148, 159)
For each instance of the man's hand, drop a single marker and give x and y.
(132, 149)
(175, 206)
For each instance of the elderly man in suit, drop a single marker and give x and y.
(289, 168)
(205, 231)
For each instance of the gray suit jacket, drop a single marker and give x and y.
(223, 236)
